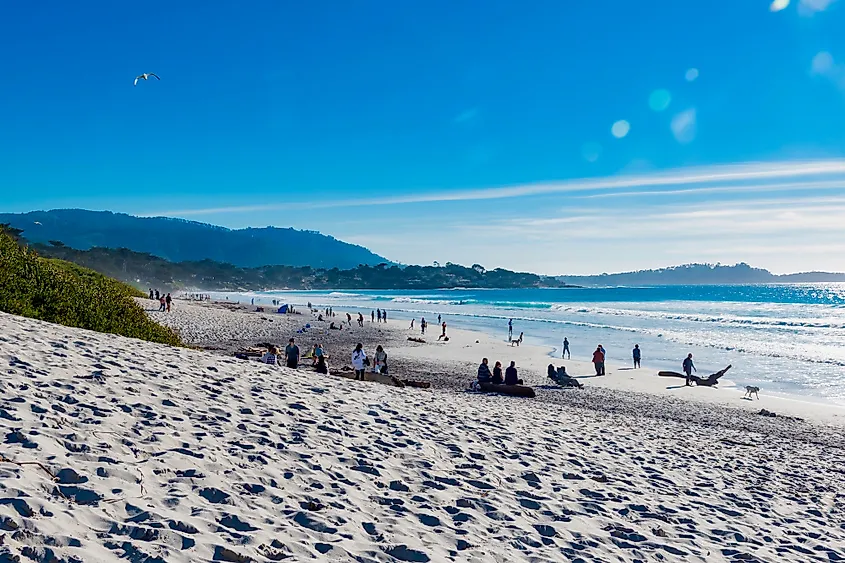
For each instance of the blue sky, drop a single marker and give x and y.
(472, 131)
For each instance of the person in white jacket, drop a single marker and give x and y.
(359, 361)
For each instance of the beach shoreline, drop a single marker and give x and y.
(453, 365)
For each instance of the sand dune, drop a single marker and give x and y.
(164, 454)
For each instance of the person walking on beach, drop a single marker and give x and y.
(443, 334)
(292, 354)
(372, 316)
(168, 300)
(518, 341)
(378, 314)
(349, 319)
(438, 319)
(598, 360)
(412, 324)
(689, 367)
(422, 325)
(162, 304)
(359, 361)
(510, 330)
(565, 349)
(151, 294)
(636, 353)
(384, 315)
(360, 320)
(603, 358)
(511, 375)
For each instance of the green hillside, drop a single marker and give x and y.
(64, 293)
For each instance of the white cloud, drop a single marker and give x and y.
(748, 172)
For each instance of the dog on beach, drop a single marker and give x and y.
(752, 390)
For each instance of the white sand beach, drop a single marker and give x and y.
(121, 449)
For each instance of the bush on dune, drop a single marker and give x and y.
(60, 292)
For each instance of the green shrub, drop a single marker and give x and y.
(60, 292)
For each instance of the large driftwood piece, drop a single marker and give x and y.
(708, 381)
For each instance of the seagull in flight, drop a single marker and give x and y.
(36, 222)
(145, 76)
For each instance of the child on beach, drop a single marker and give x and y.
(271, 357)
(637, 355)
(380, 361)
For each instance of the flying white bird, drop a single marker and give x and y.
(145, 76)
(37, 222)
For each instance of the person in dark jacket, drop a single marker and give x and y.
(511, 375)
(689, 367)
(636, 353)
(497, 374)
(484, 372)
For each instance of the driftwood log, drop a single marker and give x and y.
(516, 390)
(708, 381)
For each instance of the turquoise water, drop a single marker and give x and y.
(787, 338)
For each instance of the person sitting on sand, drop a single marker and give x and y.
(359, 361)
(484, 372)
(562, 378)
(550, 371)
(497, 374)
(321, 366)
(292, 355)
(598, 360)
(271, 357)
(511, 375)
(380, 361)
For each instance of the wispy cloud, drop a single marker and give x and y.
(706, 176)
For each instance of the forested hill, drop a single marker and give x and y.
(702, 274)
(145, 270)
(180, 240)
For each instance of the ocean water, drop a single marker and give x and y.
(785, 338)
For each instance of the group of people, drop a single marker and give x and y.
(196, 296)
(291, 357)
(360, 361)
(511, 377)
(378, 316)
(164, 301)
